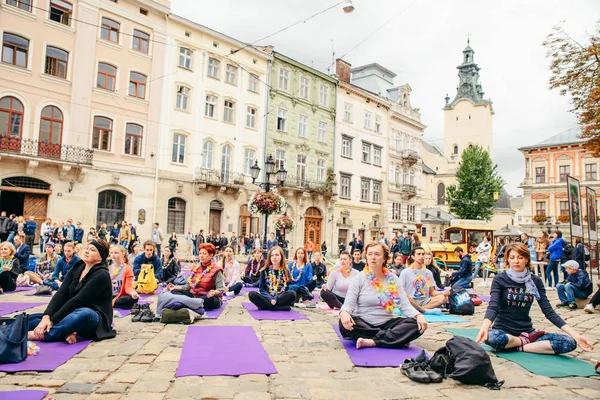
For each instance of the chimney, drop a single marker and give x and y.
(342, 70)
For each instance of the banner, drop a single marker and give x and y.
(575, 216)
(590, 195)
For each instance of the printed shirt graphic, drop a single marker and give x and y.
(417, 283)
(117, 281)
(518, 297)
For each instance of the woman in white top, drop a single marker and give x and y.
(484, 249)
(376, 311)
(231, 270)
(257, 242)
(334, 291)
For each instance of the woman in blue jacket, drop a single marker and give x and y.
(302, 281)
(556, 253)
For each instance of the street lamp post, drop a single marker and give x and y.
(270, 170)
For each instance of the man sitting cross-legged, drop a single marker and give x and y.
(419, 284)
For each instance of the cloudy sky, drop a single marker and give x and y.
(422, 43)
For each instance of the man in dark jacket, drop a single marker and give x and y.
(12, 227)
(463, 277)
(3, 227)
(78, 236)
(30, 231)
(23, 253)
(148, 257)
(579, 254)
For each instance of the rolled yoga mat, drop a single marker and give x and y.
(51, 356)
(24, 395)
(443, 318)
(261, 315)
(549, 365)
(13, 307)
(223, 350)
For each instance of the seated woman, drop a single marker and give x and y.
(121, 274)
(334, 292)
(319, 269)
(137, 250)
(170, 266)
(45, 266)
(302, 281)
(231, 269)
(274, 293)
(82, 306)
(511, 297)
(203, 290)
(252, 273)
(9, 267)
(434, 269)
(373, 317)
(396, 267)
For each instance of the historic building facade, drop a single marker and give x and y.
(79, 109)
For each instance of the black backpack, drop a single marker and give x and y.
(459, 302)
(464, 360)
(567, 252)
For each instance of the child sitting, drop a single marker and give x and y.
(577, 285)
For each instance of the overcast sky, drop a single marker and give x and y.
(423, 45)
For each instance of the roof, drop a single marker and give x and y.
(503, 200)
(516, 202)
(373, 66)
(427, 170)
(569, 136)
(432, 148)
(430, 215)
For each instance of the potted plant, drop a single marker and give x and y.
(267, 203)
(540, 219)
(285, 222)
(563, 218)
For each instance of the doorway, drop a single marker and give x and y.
(214, 220)
(111, 208)
(312, 227)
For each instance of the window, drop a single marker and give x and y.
(563, 171)
(378, 123)
(590, 172)
(368, 117)
(540, 208)
(279, 159)
(412, 177)
(396, 211)
(14, 50)
(397, 175)
(365, 190)
(102, 133)
(11, 117)
(540, 174)
(225, 163)
(303, 126)
(107, 75)
(248, 161)
(61, 11)
(176, 215)
(137, 85)
(304, 82)
(441, 194)
(110, 30)
(455, 149)
(56, 62)
(376, 192)
(410, 212)
(366, 153)
(133, 139)
(324, 95)
(398, 142)
(320, 170)
(22, 4)
(282, 120)
(322, 132)
(207, 155)
(253, 83)
(284, 79)
(301, 170)
(178, 154)
(229, 111)
(143, 11)
(404, 142)
(185, 58)
(345, 181)
(211, 106)
(231, 74)
(346, 147)
(251, 117)
(377, 156)
(183, 95)
(141, 40)
(348, 112)
(51, 125)
(563, 207)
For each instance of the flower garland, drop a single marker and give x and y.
(295, 268)
(267, 202)
(6, 263)
(199, 278)
(275, 286)
(393, 302)
(116, 272)
(285, 222)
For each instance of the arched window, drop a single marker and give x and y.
(176, 215)
(207, 155)
(102, 133)
(133, 139)
(441, 194)
(225, 163)
(397, 176)
(405, 176)
(51, 126)
(111, 207)
(11, 117)
(455, 150)
(404, 142)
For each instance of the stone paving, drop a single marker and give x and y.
(140, 363)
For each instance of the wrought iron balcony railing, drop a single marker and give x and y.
(217, 177)
(47, 150)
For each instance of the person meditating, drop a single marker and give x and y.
(302, 281)
(319, 269)
(63, 266)
(121, 275)
(45, 266)
(334, 291)
(273, 292)
(511, 297)
(419, 284)
(82, 306)
(231, 268)
(170, 267)
(376, 311)
(252, 272)
(9, 267)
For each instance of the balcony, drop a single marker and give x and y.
(406, 191)
(409, 157)
(317, 187)
(44, 150)
(228, 182)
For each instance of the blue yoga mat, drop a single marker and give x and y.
(443, 318)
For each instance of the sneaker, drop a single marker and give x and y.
(563, 304)
(136, 317)
(135, 309)
(415, 373)
(573, 306)
(310, 304)
(147, 316)
(300, 305)
(589, 308)
(230, 294)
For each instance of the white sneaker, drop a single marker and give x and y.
(300, 305)
(230, 294)
(588, 308)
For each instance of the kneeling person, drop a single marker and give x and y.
(419, 284)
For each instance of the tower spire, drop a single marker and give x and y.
(468, 74)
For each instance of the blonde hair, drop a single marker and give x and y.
(120, 248)
(10, 247)
(386, 251)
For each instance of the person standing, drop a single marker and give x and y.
(257, 242)
(530, 243)
(579, 254)
(11, 228)
(324, 249)
(234, 243)
(45, 233)
(541, 244)
(383, 239)
(69, 231)
(556, 253)
(272, 242)
(78, 236)
(103, 232)
(157, 237)
(310, 248)
(114, 234)
(124, 234)
(189, 241)
(30, 232)
(3, 227)
(405, 245)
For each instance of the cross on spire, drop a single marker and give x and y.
(468, 39)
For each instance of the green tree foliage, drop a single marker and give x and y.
(478, 181)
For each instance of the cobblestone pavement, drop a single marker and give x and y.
(140, 363)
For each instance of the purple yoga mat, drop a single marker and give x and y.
(158, 291)
(13, 307)
(214, 314)
(376, 356)
(21, 289)
(248, 289)
(485, 298)
(24, 395)
(47, 295)
(272, 315)
(51, 356)
(223, 350)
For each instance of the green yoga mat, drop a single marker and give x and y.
(551, 366)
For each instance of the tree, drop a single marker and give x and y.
(576, 70)
(478, 181)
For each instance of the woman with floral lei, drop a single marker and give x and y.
(274, 293)
(302, 281)
(9, 267)
(376, 311)
(335, 290)
(252, 272)
(170, 266)
(121, 275)
(231, 271)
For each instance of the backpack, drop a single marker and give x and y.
(567, 252)
(466, 361)
(146, 282)
(459, 302)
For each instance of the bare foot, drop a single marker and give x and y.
(32, 336)
(273, 302)
(362, 342)
(72, 338)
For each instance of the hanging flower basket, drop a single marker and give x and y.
(540, 218)
(285, 222)
(267, 202)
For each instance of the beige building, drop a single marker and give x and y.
(80, 99)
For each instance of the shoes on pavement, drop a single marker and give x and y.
(300, 305)
(563, 304)
(414, 371)
(310, 304)
(573, 306)
(135, 309)
(589, 308)
(230, 294)
(147, 316)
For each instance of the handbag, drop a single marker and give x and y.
(13, 339)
